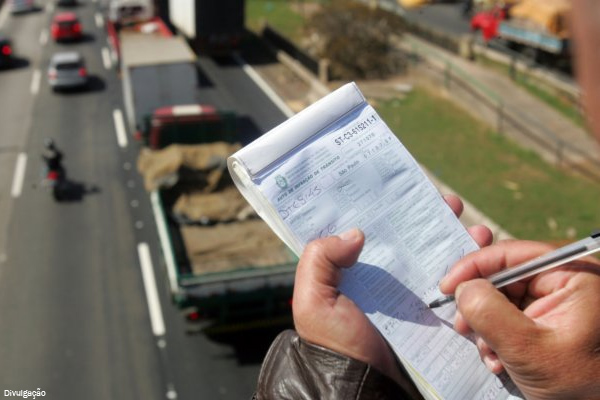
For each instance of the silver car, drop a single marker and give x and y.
(67, 70)
(21, 6)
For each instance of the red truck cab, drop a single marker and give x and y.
(488, 22)
(187, 124)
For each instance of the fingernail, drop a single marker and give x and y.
(442, 281)
(352, 234)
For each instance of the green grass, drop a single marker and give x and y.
(563, 106)
(277, 13)
(512, 186)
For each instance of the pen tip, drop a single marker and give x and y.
(433, 304)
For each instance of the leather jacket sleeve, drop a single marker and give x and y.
(298, 370)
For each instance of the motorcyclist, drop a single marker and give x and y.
(53, 158)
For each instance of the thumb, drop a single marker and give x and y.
(322, 259)
(504, 328)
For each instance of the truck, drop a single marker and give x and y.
(157, 70)
(226, 270)
(215, 27)
(224, 267)
(532, 26)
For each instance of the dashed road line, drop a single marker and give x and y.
(19, 175)
(106, 60)
(44, 37)
(99, 20)
(156, 316)
(120, 128)
(35, 82)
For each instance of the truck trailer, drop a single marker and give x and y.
(216, 27)
(157, 70)
(226, 269)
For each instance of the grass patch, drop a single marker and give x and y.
(280, 14)
(514, 187)
(563, 106)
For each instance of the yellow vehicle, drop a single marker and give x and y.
(413, 3)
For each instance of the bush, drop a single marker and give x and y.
(357, 40)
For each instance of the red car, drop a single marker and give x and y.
(66, 26)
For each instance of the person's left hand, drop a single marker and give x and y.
(324, 316)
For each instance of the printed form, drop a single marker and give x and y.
(356, 173)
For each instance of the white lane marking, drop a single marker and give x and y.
(19, 176)
(4, 13)
(264, 86)
(120, 128)
(106, 58)
(99, 20)
(44, 37)
(156, 317)
(35, 81)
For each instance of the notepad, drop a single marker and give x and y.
(336, 165)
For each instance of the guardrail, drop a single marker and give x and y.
(508, 119)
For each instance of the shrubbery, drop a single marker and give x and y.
(357, 39)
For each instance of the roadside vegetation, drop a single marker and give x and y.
(514, 187)
(535, 88)
(287, 17)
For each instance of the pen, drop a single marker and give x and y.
(553, 259)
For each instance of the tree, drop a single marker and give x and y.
(357, 39)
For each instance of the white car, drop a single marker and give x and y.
(67, 70)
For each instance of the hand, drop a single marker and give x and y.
(545, 331)
(324, 316)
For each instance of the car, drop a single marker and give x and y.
(21, 6)
(67, 70)
(66, 26)
(6, 52)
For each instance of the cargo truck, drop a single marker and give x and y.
(226, 269)
(538, 27)
(157, 70)
(215, 27)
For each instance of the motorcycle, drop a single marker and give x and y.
(56, 182)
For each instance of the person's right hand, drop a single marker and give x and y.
(545, 331)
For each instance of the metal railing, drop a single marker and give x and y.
(508, 119)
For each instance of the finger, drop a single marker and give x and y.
(320, 265)
(493, 363)
(481, 234)
(455, 203)
(483, 347)
(460, 325)
(490, 260)
(499, 323)
(487, 355)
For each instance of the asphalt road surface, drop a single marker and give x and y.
(76, 321)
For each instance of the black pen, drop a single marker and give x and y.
(553, 259)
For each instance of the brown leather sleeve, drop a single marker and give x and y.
(298, 370)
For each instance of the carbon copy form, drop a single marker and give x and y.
(336, 165)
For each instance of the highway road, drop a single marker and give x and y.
(79, 279)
